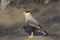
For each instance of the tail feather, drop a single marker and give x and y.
(43, 31)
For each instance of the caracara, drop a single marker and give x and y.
(33, 24)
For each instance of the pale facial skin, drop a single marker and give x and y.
(24, 13)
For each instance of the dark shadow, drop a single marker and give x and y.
(14, 30)
(52, 20)
(53, 29)
(36, 33)
(29, 30)
(54, 0)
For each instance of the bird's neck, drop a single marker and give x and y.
(28, 16)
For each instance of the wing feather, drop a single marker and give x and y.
(33, 24)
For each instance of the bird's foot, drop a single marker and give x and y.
(31, 36)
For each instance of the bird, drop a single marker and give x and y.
(33, 24)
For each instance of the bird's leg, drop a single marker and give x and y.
(31, 36)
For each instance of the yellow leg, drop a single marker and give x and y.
(31, 36)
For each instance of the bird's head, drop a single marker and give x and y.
(26, 12)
